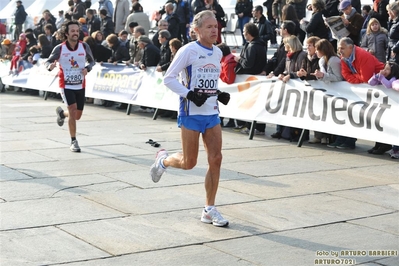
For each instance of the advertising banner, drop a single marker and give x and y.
(354, 110)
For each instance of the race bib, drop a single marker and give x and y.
(73, 76)
(206, 80)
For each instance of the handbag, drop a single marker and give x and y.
(223, 22)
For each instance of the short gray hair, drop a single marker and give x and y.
(164, 34)
(201, 16)
(347, 41)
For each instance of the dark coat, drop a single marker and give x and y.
(94, 24)
(165, 56)
(280, 56)
(20, 15)
(293, 64)
(198, 6)
(107, 26)
(265, 29)
(155, 40)
(331, 8)
(354, 27)
(300, 7)
(310, 66)
(381, 14)
(173, 28)
(45, 52)
(252, 58)
(245, 7)
(101, 53)
(119, 53)
(317, 27)
(79, 11)
(151, 56)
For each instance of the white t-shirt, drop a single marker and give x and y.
(198, 69)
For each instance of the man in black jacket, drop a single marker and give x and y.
(173, 21)
(165, 54)
(252, 59)
(107, 26)
(119, 52)
(151, 55)
(264, 25)
(20, 17)
(93, 23)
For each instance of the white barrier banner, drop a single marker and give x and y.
(341, 108)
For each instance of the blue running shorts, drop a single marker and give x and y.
(198, 122)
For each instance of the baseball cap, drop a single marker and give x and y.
(82, 20)
(344, 4)
(6, 42)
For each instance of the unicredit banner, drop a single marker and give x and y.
(341, 108)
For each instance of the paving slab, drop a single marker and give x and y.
(141, 201)
(70, 167)
(41, 188)
(303, 211)
(43, 246)
(282, 166)
(140, 177)
(156, 231)
(7, 174)
(387, 223)
(303, 246)
(189, 255)
(371, 195)
(303, 183)
(22, 156)
(51, 211)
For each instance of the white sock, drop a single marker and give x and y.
(208, 208)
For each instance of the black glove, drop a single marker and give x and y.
(223, 97)
(197, 98)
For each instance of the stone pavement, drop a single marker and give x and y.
(286, 205)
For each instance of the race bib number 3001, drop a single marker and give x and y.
(206, 80)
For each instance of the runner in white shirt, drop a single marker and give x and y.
(71, 56)
(198, 66)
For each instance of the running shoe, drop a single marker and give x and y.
(213, 217)
(75, 146)
(156, 170)
(60, 120)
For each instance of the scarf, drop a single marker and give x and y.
(349, 61)
(353, 11)
(290, 55)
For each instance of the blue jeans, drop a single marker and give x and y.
(241, 22)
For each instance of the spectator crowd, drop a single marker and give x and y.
(120, 33)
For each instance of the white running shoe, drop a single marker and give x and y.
(75, 146)
(156, 170)
(213, 217)
(60, 120)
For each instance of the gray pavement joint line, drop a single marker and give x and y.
(290, 196)
(83, 240)
(66, 223)
(82, 186)
(358, 200)
(373, 228)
